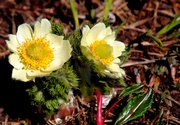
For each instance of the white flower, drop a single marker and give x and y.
(36, 53)
(99, 44)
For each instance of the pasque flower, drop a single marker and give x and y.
(99, 45)
(36, 53)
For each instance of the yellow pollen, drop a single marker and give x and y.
(36, 54)
(102, 51)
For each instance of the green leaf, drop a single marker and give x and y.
(57, 29)
(135, 107)
(122, 82)
(107, 8)
(119, 27)
(156, 40)
(75, 13)
(175, 34)
(85, 89)
(136, 88)
(26, 123)
(159, 121)
(51, 91)
(175, 22)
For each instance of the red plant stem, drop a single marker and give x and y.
(138, 78)
(154, 120)
(99, 120)
(173, 73)
(111, 108)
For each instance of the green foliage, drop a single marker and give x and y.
(134, 89)
(26, 123)
(125, 56)
(90, 81)
(175, 34)
(156, 40)
(50, 92)
(174, 52)
(159, 70)
(107, 8)
(57, 29)
(103, 86)
(92, 13)
(75, 40)
(122, 82)
(175, 22)
(135, 107)
(91, 76)
(159, 120)
(119, 27)
(75, 13)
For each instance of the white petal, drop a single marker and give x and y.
(42, 28)
(55, 40)
(122, 72)
(115, 73)
(111, 75)
(55, 64)
(15, 61)
(12, 43)
(118, 48)
(63, 51)
(37, 73)
(85, 31)
(24, 32)
(86, 52)
(62, 55)
(92, 35)
(114, 68)
(117, 61)
(103, 33)
(110, 39)
(20, 75)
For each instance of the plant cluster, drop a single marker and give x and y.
(86, 60)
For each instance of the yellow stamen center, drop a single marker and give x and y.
(102, 51)
(36, 54)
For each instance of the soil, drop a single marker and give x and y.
(146, 58)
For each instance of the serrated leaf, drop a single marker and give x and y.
(136, 88)
(171, 25)
(135, 107)
(156, 40)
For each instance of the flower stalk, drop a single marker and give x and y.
(99, 120)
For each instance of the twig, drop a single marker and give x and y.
(138, 23)
(150, 53)
(174, 119)
(3, 54)
(138, 63)
(82, 102)
(6, 120)
(136, 29)
(167, 13)
(155, 13)
(159, 92)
